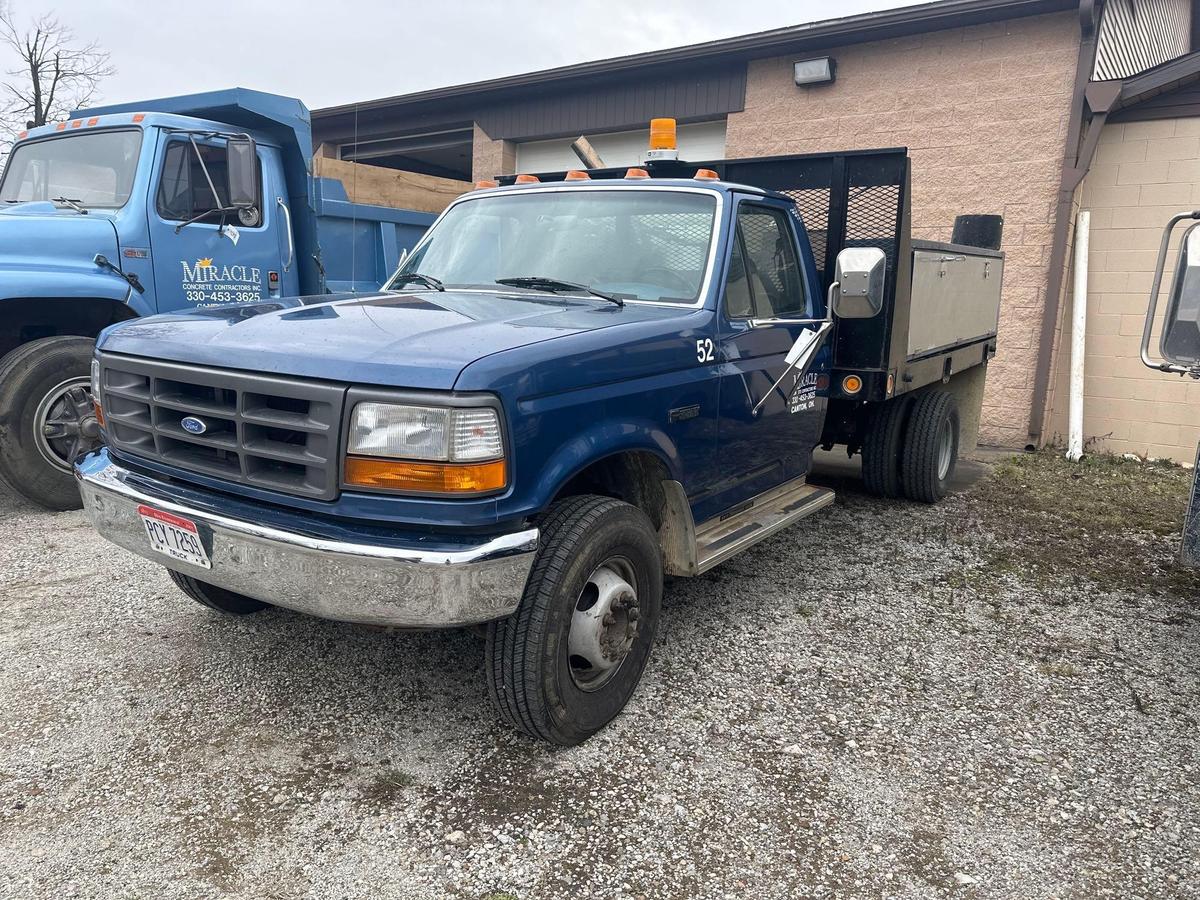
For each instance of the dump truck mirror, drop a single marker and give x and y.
(241, 169)
(859, 285)
(1181, 325)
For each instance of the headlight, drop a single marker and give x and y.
(426, 449)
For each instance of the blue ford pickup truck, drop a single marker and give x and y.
(575, 384)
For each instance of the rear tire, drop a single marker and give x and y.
(930, 446)
(216, 598)
(883, 447)
(557, 669)
(45, 385)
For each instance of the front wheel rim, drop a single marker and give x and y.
(65, 425)
(604, 624)
(945, 449)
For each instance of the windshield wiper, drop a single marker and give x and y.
(74, 204)
(427, 280)
(554, 285)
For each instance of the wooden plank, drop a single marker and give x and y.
(393, 188)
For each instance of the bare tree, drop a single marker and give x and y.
(53, 74)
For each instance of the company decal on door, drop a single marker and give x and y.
(208, 283)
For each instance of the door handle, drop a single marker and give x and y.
(287, 215)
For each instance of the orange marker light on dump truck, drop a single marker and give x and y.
(636, 173)
(706, 175)
(486, 183)
(527, 179)
(575, 175)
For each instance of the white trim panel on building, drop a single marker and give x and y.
(700, 141)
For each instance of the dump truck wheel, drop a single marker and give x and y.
(46, 418)
(882, 448)
(568, 660)
(216, 598)
(930, 447)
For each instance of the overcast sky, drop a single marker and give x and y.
(339, 51)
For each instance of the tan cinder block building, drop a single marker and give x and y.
(991, 98)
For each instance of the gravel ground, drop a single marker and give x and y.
(995, 697)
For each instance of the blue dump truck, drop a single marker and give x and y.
(575, 384)
(179, 203)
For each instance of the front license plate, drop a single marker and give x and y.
(174, 536)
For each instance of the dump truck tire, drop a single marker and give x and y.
(882, 448)
(930, 446)
(46, 419)
(216, 598)
(568, 660)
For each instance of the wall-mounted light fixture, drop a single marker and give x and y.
(814, 71)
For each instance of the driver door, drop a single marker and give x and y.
(765, 292)
(205, 263)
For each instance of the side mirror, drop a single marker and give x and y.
(1181, 325)
(860, 283)
(241, 172)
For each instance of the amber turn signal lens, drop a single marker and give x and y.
(662, 134)
(851, 384)
(426, 478)
(99, 413)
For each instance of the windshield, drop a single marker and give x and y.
(93, 169)
(633, 244)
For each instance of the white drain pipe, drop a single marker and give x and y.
(1078, 332)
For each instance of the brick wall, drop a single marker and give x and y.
(984, 112)
(490, 157)
(1143, 173)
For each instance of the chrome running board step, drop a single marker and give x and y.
(719, 539)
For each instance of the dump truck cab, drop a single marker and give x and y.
(127, 211)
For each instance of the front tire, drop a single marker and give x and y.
(46, 418)
(216, 598)
(568, 660)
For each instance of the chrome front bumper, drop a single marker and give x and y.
(425, 582)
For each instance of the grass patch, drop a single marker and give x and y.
(1107, 520)
(1060, 668)
(388, 785)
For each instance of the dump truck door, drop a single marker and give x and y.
(215, 259)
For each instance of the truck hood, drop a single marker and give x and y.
(417, 340)
(41, 236)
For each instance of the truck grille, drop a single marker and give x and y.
(278, 434)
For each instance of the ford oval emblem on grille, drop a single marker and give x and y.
(193, 425)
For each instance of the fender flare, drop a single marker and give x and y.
(25, 283)
(601, 441)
